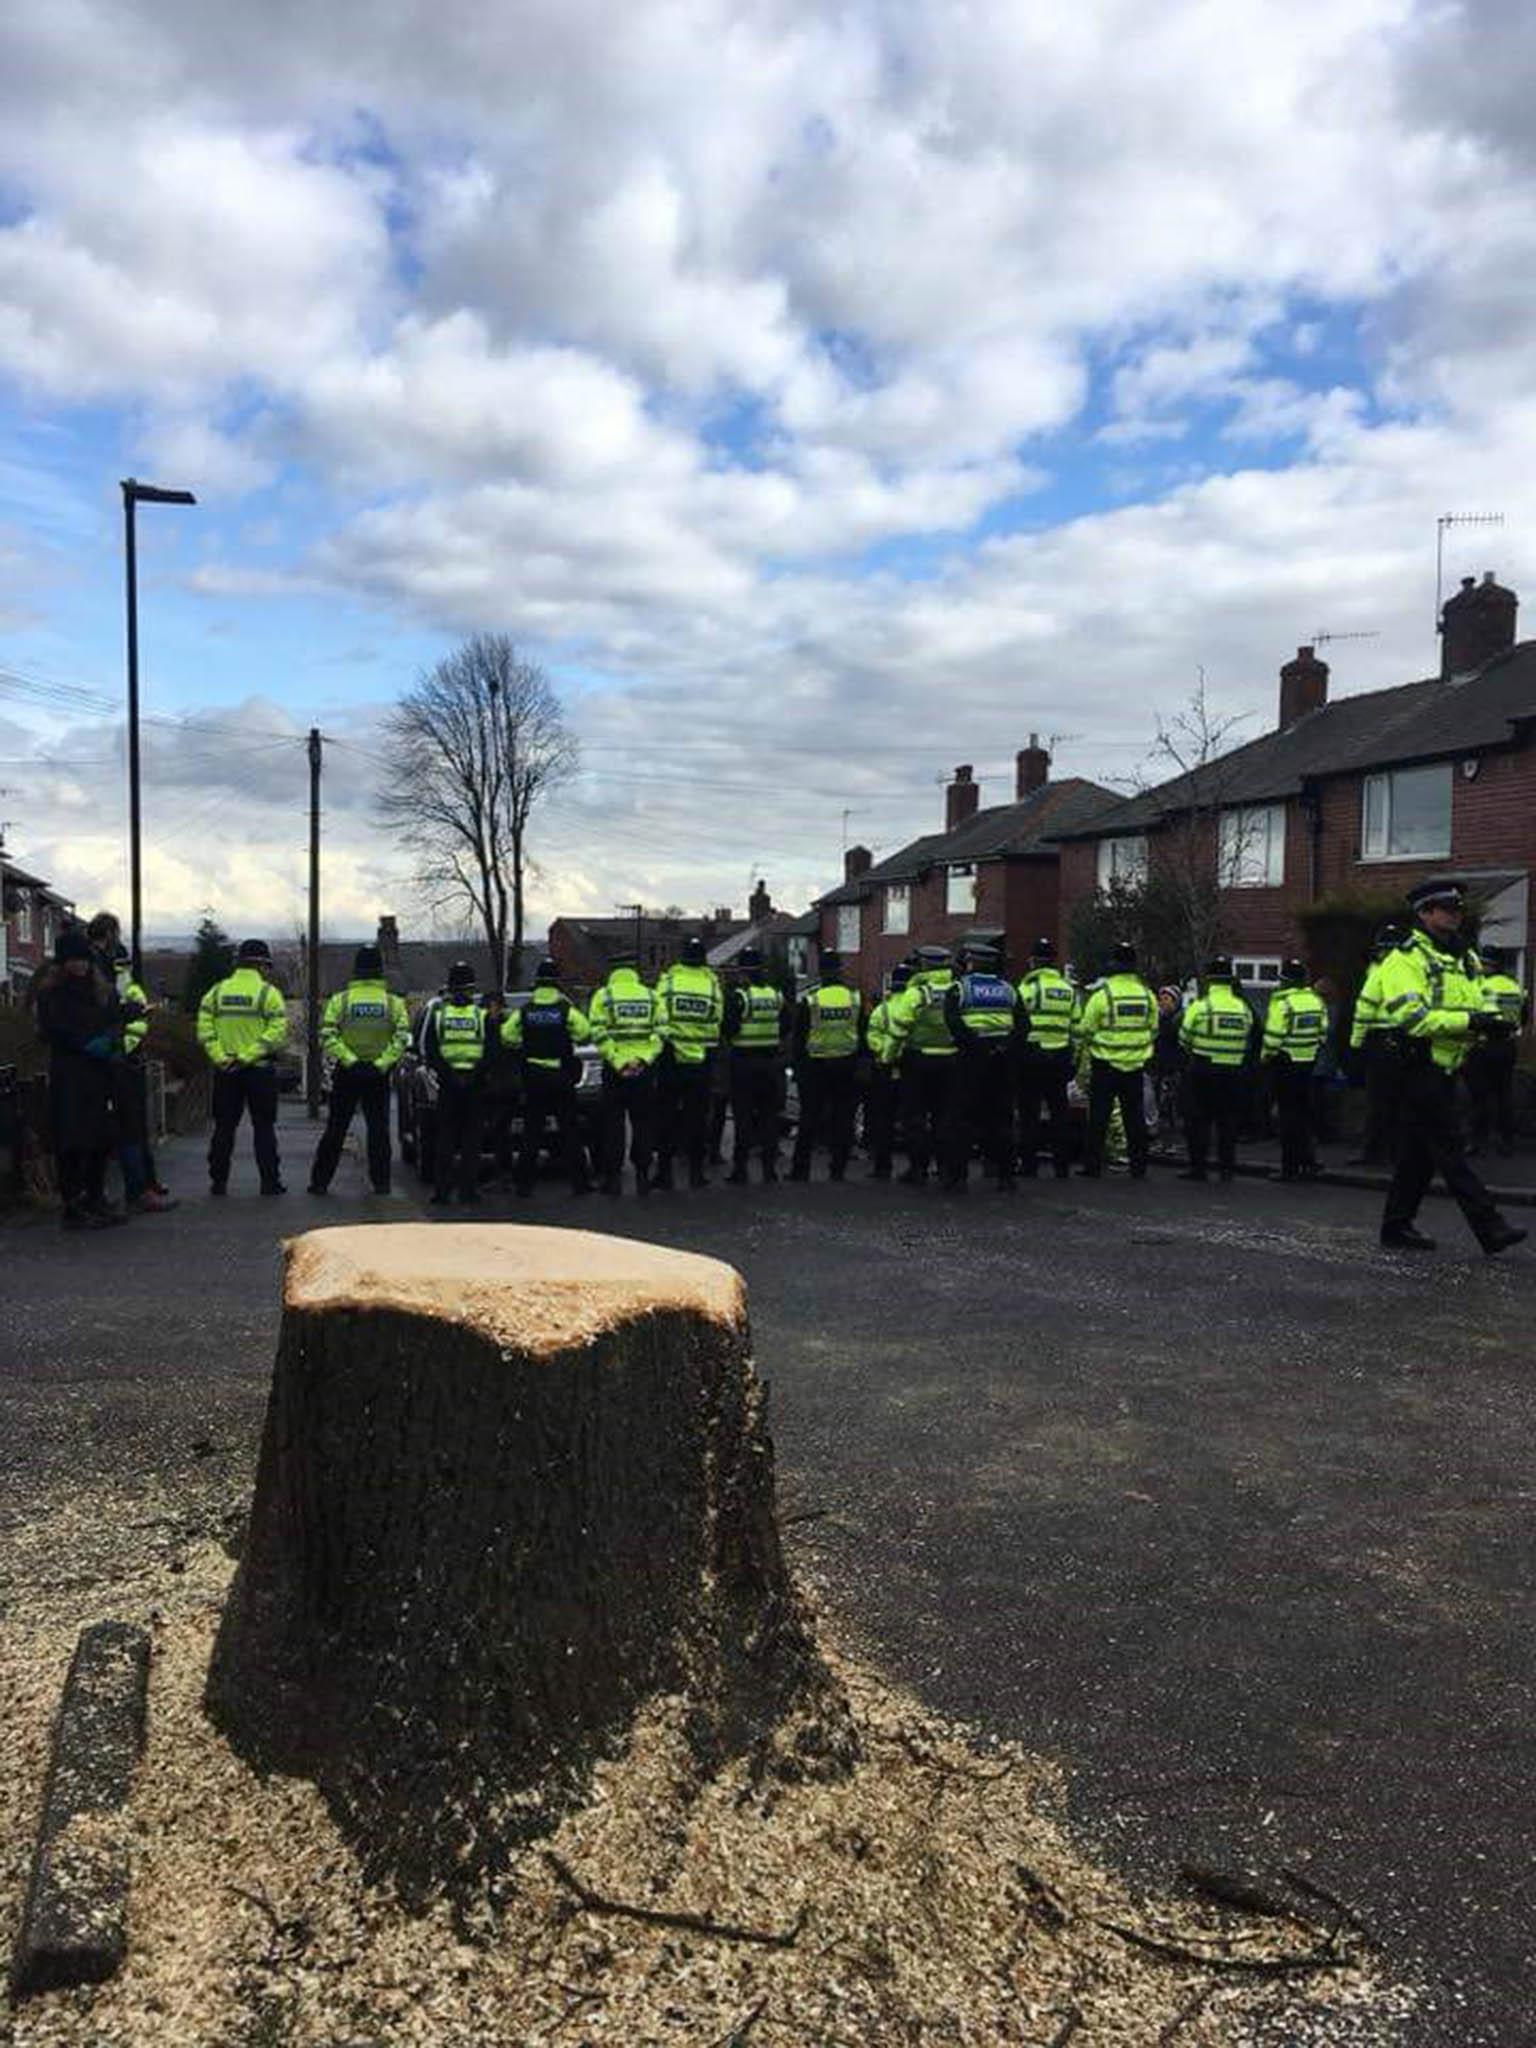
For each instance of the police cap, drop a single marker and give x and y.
(1426, 893)
(930, 957)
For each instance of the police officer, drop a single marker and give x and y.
(1295, 1025)
(882, 1085)
(1116, 1029)
(824, 1045)
(692, 1015)
(981, 1010)
(242, 1026)
(1375, 1047)
(364, 1030)
(545, 1032)
(1214, 1033)
(1490, 1065)
(754, 1029)
(1431, 998)
(128, 1079)
(454, 1041)
(1047, 1015)
(625, 1022)
(927, 1051)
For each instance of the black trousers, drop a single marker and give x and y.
(1383, 1065)
(1108, 1085)
(82, 1175)
(1295, 1108)
(829, 1101)
(1429, 1142)
(983, 1114)
(682, 1111)
(928, 1123)
(755, 1106)
(1490, 1078)
(360, 1086)
(882, 1094)
(1213, 1100)
(456, 1140)
(243, 1089)
(1042, 1086)
(631, 1099)
(549, 1097)
(128, 1085)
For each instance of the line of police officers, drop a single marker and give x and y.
(954, 1060)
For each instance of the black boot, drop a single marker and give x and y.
(1402, 1237)
(1501, 1237)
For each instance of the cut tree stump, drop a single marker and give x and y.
(513, 1483)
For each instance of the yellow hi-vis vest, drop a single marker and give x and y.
(762, 1014)
(1368, 1020)
(1295, 1025)
(1119, 1022)
(1501, 993)
(1431, 998)
(1049, 1001)
(879, 1036)
(460, 1033)
(918, 1013)
(692, 1009)
(128, 991)
(833, 1025)
(1216, 1026)
(242, 1018)
(364, 1021)
(624, 1021)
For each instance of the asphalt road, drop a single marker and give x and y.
(1191, 1487)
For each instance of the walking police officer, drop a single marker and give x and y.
(692, 1014)
(1214, 1033)
(1431, 998)
(981, 1010)
(754, 1029)
(824, 1045)
(242, 1026)
(454, 1045)
(1295, 1025)
(625, 1021)
(544, 1033)
(1047, 1015)
(1116, 1029)
(883, 1087)
(364, 1030)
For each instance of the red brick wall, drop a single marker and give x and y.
(1020, 897)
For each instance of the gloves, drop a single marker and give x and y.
(1486, 1024)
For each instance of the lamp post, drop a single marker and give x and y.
(135, 493)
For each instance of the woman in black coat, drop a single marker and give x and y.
(78, 1015)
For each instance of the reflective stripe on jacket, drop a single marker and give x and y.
(1119, 1022)
(917, 1015)
(625, 1021)
(458, 1029)
(1295, 1025)
(1430, 997)
(364, 1021)
(1049, 1001)
(1216, 1026)
(831, 1022)
(242, 1018)
(692, 1011)
(128, 991)
(1501, 994)
(546, 1029)
(760, 1022)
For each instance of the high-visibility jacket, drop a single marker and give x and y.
(879, 1036)
(1295, 1025)
(625, 1021)
(1501, 994)
(546, 1029)
(1118, 1022)
(128, 991)
(981, 1007)
(755, 1019)
(364, 1021)
(692, 1011)
(242, 1018)
(830, 1022)
(1216, 1027)
(917, 1015)
(453, 1034)
(1430, 997)
(1049, 1003)
(1368, 1021)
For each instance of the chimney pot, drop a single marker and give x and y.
(1303, 686)
(858, 860)
(1032, 768)
(961, 798)
(1477, 625)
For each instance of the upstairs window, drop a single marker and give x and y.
(960, 889)
(1406, 814)
(1123, 862)
(898, 908)
(847, 928)
(1252, 849)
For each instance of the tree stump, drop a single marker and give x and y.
(513, 1483)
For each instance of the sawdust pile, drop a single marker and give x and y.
(933, 1897)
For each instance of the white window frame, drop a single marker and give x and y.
(896, 909)
(1257, 970)
(21, 917)
(1251, 847)
(1122, 861)
(847, 928)
(1384, 849)
(962, 873)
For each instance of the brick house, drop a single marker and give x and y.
(30, 916)
(992, 872)
(1365, 795)
(583, 948)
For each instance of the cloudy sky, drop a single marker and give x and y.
(824, 395)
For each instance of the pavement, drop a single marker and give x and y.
(1193, 1488)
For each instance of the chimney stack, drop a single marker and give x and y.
(1476, 626)
(759, 904)
(961, 799)
(858, 860)
(1303, 686)
(1032, 768)
(388, 943)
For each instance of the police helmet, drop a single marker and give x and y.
(1122, 954)
(1389, 935)
(546, 970)
(1493, 956)
(254, 949)
(693, 952)
(1219, 967)
(1043, 949)
(368, 964)
(461, 975)
(831, 966)
(749, 957)
(1294, 974)
(901, 974)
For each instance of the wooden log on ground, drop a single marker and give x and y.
(513, 1483)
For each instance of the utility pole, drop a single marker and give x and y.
(135, 494)
(312, 968)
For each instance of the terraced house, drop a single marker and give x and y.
(1362, 795)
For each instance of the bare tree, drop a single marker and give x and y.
(474, 746)
(1202, 841)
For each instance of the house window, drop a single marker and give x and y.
(23, 918)
(847, 928)
(1123, 862)
(898, 907)
(1260, 973)
(960, 890)
(1406, 814)
(1252, 852)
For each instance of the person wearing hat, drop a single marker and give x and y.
(1047, 1015)
(453, 1041)
(1490, 1066)
(927, 1051)
(1116, 1029)
(754, 1030)
(1214, 1033)
(363, 1032)
(1431, 997)
(242, 1025)
(544, 1033)
(881, 1089)
(824, 1045)
(1295, 1030)
(1374, 1050)
(981, 1011)
(127, 1078)
(692, 1015)
(81, 1022)
(625, 1020)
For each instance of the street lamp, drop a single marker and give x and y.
(135, 493)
